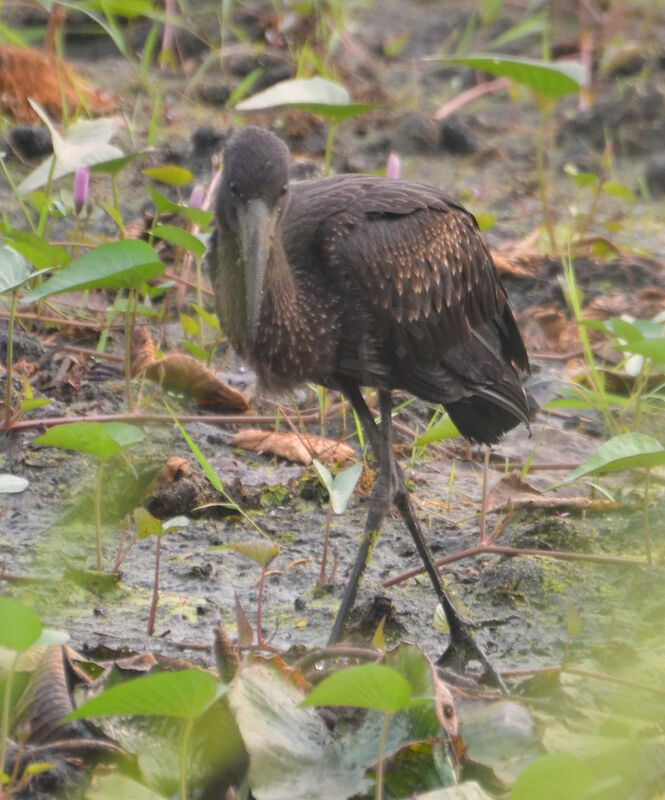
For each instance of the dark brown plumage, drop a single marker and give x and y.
(358, 280)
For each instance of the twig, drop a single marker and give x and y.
(212, 419)
(468, 96)
(583, 673)
(494, 549)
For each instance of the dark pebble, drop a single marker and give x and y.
(655, 175)
(30, 141)
(457, 137)
(416, 134)
(207, 140)
(215, 94)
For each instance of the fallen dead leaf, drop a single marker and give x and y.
(512, 492)
(47, 80)
(183, 373)
(293, 446)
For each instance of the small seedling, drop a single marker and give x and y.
(103, 440)
(548, 82)
(262, 553)
(318, 95)
(627, 451)
(372, 686)
(20, 630)
(340, 488)
(183, 695)
(13, 275)
(126, 264)
(147, 525)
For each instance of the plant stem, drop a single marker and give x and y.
(10, 360)
(4, 727)
(324, 555)
(259, 608)
(129, 328)
(596, 379)
(543, 178)
(17, 197)
(155, 589)
(116, 204)
(378, 794)
(43, 217)
(184, 751)
(98, 515)
(645, 507)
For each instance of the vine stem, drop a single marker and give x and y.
(10, 361)
(4, 730)
(378, 794)
(184, 750)
(98, 515)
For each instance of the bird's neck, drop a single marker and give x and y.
(280, 288)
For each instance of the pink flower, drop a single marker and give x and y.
(394, 167)
(197, 196)
(81, 186)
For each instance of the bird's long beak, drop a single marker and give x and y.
(257, 226)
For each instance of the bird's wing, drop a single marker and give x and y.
(420, 262)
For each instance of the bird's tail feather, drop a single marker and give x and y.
(491, 411)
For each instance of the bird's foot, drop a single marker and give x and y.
(464, 648)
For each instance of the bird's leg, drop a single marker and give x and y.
(463, 646)
(379, 505)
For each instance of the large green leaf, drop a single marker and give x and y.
(331, 100)
(501, 737)
(293, 756)
(103, 440)
(366, 686)
(114, 785)
(185, 694)
(181, 238)
(626, 451)
(651, 348)
(84, 144)
(36, 249)
(553, 777)
(20, 627)
(548, 79)
(13, 269)
(445, 428)
(116, 265)
(171, 174)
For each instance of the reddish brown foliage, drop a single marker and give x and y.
(46, 79)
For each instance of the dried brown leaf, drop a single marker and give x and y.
(293, 446)
(245, 630)
(551, 329)
(512, 492)
(183, 373)
(174, 468)
(644, 304)
(47, 80)
(143, 352)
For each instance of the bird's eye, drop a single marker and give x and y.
(285, 188)
(233, 188)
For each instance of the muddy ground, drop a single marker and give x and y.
(485, 156)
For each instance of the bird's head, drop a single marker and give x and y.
(251, 203)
